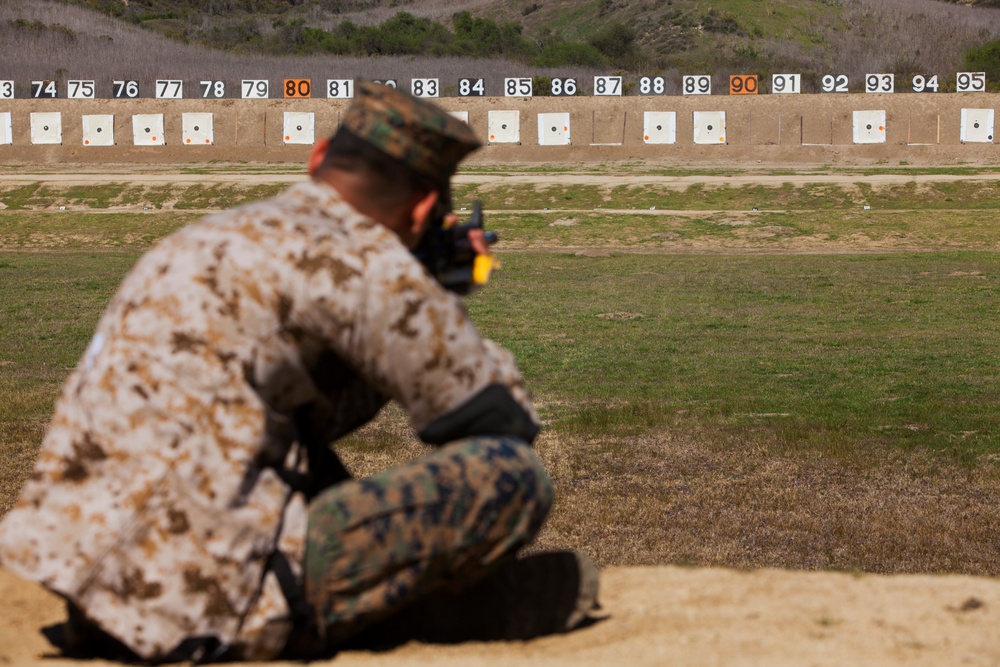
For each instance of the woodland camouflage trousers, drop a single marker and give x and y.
(376, 544)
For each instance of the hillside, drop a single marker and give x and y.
(814, 37)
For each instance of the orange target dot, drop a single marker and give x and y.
(493, 136)
(189, 141)
(880, 127)
(154, 138)
(287, 138)
(647, 137)
(207, 141)
(86, 142)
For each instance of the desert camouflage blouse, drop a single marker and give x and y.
(165, 480)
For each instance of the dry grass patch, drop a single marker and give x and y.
(714, 499)
(689, 498)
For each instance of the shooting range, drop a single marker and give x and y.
(553, 129)
(147, 130)
(710, 127)
(659, 127)
(299, 127)
(977, 126)
(504, 127)
(99, 130)
(869, 127)
(46, 128)
(198, 129)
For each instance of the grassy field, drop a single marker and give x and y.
(808, 386)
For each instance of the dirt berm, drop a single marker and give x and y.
(680, 616)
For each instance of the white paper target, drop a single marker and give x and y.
(198, 129)
(505, 127)
(869, 127)
(461, 115)
(99, 130)
(6, 136)
(977, 126)
(147, 129)
(659, 127)
(553, 129)
(710, 127)
(46, 128)
(299, 127)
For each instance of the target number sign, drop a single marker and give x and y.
(608, 86)
(696, 85)
(834, 83)
(744, 84)
(298, 89)
(213, 89)
(340, 89)
(425, 88)
(169, 89)
(6, 90)
(652, 85)
(786, 84)
(970, 82)
(255, 89)
(518, 87)
(43, 89)
(471, 88)
(924, 84)
(79, 90)
(129, 89)
(386, 82)
(562, 87)
(880, 83)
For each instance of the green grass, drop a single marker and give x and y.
(964, 195)
(835, 353)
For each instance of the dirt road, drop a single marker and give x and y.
(738, 179)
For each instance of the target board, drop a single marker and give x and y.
(147, 129)
(710, 127)
(504, 127)
(460, 115)
(198, 129)
(299, 127)
(553, 129)
(977, 126)
(6, 136)
(869, 127)
(659, 127)
(99, 130)
(46, 128)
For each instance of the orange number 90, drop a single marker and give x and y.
(743, 84)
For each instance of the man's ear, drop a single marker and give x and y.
(316, 159)
(421, 215)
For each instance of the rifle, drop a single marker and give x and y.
(447, 252)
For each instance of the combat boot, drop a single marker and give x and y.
(540, 594)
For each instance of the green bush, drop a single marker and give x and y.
(569, 54)
(985, 58)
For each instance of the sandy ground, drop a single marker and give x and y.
(677, 616)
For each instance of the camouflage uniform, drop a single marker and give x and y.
(172, 482)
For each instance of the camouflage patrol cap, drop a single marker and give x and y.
(417, 133)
